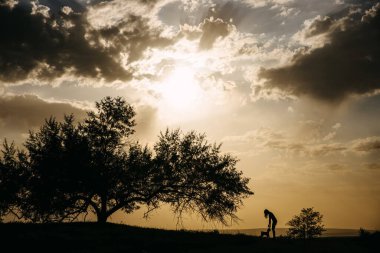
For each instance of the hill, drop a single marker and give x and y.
(93, 237)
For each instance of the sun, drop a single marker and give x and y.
(180, 92)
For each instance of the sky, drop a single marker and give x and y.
(290, 87)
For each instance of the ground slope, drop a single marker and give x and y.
(92, 237)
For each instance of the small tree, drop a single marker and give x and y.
(308, 224)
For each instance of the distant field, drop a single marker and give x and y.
(330, 232)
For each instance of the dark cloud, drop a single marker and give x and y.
(207, 32)
(206, 22)
(327, 149)
(347, 64)
(304, 148)
(149, 2)
(95, 2)
(297, 148)
(321, 25)
(46, 42)
(81, 5)
(212, 30)
(336, 167)
(372, 166)
(230, 11)
(133, 36)
(367, 145)
(19, 114)
(49, 47)
(55, 6)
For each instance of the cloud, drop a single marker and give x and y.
(337, 126)
(327, 149)
(212, 30)
(311, 139)
(9, 3)
(270, 141)
(347, 64)
(215, 23)
(146, 117)
(367, 144)
(258, 135)
(261, 3)
(318, 25)
(94, 2)
(46, 42)
(304, 148)
(372, 166)
(336, 167)
(329, 136)
(207, 21)
(33, 44)
(19, 114)
(132, 37)
(289, 146)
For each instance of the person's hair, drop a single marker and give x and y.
(266, 212)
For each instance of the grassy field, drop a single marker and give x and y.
(92, 237)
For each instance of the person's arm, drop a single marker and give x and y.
(270, 221)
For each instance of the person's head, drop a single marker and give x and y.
(266, 212)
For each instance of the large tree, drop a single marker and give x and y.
(58, 173)
(95, 166)
(194, 176)
(12, 169)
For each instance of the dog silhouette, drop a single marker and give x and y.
(265, 233)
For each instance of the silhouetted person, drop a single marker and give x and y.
(272, 221)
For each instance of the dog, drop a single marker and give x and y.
(265, 233)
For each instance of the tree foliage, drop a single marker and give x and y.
(12, 167)
(197, 177)
(58, 172)
(70, 169)
(308, 224)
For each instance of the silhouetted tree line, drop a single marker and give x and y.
(67, 169)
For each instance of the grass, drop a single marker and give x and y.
(93, 237)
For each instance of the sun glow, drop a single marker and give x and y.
(180, 92)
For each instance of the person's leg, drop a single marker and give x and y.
(274, 229)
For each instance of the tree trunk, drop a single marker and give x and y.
(102, 215)
(102, 218)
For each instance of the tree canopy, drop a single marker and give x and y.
(69, 169)
(308, 224)
(12, 169)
